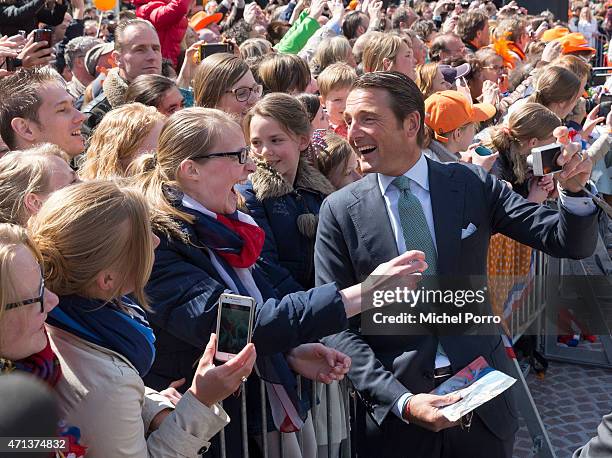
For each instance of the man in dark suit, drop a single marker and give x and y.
(449, 212)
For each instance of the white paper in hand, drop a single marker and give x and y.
(482, 390)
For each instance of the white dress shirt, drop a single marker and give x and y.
(419, 186)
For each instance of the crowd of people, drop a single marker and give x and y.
(289, 152)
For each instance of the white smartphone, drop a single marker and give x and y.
(234, 325)
(543, 160)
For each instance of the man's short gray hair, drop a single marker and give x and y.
(78, 47)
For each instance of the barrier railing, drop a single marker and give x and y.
(519, 320)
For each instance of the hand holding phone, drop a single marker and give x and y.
(234, 325)
(211, 383)
(208, 49)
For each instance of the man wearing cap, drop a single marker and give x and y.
(448, 212)
(452, 119)
(137, 51)
(75, 53)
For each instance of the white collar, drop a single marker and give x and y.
(190, 202)
(418, 173)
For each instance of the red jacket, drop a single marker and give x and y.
(169, 19)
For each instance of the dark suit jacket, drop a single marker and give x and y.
(355, 236)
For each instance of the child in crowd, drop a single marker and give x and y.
(334, 85)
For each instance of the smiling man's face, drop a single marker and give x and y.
(385, 144)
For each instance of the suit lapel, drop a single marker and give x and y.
(371, 220)
(447, 200)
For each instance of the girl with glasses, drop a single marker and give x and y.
(225, 82)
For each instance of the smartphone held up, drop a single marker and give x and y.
(234, 325)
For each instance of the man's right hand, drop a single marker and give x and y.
(424, 410)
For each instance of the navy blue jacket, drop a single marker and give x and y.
(183, 291)
(288, 214)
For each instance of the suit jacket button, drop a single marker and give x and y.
(203, 450)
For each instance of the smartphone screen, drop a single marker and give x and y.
(605, 103)
(234, 330)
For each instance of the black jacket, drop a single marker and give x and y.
(25, 15)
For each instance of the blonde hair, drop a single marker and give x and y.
(555, 85)
(116, 140)
(187, 133)
(332, 50)
(22, 173)
(288, 111)
(78, 232)
(11, 237)
(379, 48)
(575, 64)
(531, 120)
(254, 48)
(425, 76)
(336, 76)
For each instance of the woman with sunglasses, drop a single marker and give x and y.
(225, 82)
(206, 248)
(24, 305)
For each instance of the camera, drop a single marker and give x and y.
(543, 160)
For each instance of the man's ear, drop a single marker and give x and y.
(33, 202)
(412, 124)
(23, 128)
(117, 58)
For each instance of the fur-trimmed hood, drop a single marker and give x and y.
(268, 183)
(115, 88)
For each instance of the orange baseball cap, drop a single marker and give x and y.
(574, 42)
(446, 111)
(554, 34)
(201, 20)
(353, 4)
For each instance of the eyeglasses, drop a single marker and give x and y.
(497, 68)
(242, 155)
(34, 300)
(243, 94)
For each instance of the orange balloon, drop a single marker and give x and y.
(104, 5)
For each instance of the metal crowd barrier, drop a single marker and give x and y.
(521, 319)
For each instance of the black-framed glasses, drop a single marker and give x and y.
(243, 94)
(34, 300)
(242, 154)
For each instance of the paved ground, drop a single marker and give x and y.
(571, 400)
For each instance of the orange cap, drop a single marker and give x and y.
(574, 42)
(554, 34)
(353, 4)
(446, 111)
(201, 20)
